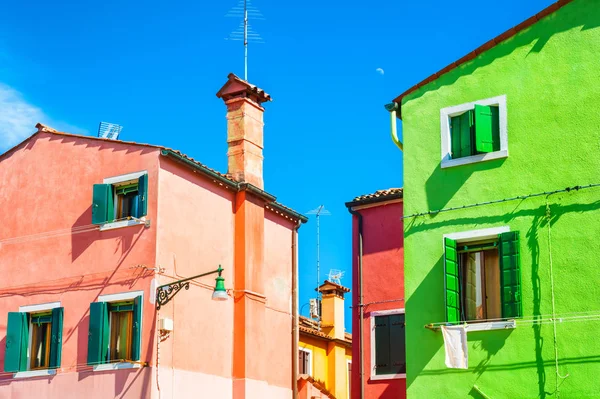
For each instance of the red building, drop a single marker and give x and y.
(378, 351)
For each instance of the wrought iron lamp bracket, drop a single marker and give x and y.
(166, 292)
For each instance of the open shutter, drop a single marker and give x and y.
(17, 337)
(102, 204)
(510, 276)
(98, 334)
(452, 281)
(461, 135)
(56, 339)
(486, 127)
(455, 136)
(382, 345)
(136, 336)
(142, 206)
(397, 344)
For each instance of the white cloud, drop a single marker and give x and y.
(380, 71)
(18, 118)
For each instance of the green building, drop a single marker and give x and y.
(502, 213)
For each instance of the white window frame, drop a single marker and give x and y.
(34, 309)
(123, 296)
(116, 181)
(310, 359)
(374, 376)
(477, 235)
(449, 112)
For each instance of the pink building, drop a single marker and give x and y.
(91, 227)
(378, 350)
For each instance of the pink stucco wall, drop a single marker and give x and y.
(383, 280)
(47, 254)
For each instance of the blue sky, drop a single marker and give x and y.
(155, 66)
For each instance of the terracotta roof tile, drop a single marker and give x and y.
(484, 47)
(377, 196)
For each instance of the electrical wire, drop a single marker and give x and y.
(520, 197)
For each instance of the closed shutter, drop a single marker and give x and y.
(382, 345)
(136, 334)
(98, 335)
(102, 204)
(510, 277)
(452, 281)
(484, 127)
(397, 344)
(17, 340)
(142, 205)
(56, 338)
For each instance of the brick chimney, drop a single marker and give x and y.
(332, 307)
(244, 129)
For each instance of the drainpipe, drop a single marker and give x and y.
(361, 363)
(295, 310)
(392, 108)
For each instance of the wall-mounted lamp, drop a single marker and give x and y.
(166, 292)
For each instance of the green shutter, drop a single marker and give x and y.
(17, 340)
(486, 127)
(102, 204)
(397, 344)
(136, 337)
(142, 208)
(382, 345)
(98, 334)
(461, 134)
(56, 339)
(452, 281)
(510, 275)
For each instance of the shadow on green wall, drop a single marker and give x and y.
(426, 303)
(540, 33)
(443, 184)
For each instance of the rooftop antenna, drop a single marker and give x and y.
(318, 212)
(335, 276)
(244, 32)
(109, 130)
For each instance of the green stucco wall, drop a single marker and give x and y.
(550, 74)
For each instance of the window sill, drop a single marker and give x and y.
(117, 366)
(387, 377)
(123, 223)
(34, 373)
(448, 163)
(486, 326)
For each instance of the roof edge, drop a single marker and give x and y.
(483, 48)
(370, 201)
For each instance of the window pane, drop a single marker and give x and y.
(127, 204)
(120, 335)
(40, 345)
(492, 284)
(474, 294)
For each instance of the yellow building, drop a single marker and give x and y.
(325, 351)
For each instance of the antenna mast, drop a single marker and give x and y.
(318, 212)
(244, 31)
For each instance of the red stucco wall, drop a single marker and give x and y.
(383, 280)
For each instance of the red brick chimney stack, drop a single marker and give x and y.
(244, 129)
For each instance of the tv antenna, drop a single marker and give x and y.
(318, 212)
(109, 130)
(245, 10)
(335, 276)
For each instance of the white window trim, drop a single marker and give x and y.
(41, 372)
(374, 376)
(476, 235)
(448, 112)
(310, 359)
(116, 180)
(123, 296)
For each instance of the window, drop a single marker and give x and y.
(349, 378)
(388, 344)
(304, 361)
(120, 198)
(34, 339)
(483, 278)
(115, 329)
(474, 132)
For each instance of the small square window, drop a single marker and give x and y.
(304, 361)
(120, 198)
(474, 132)
(126, 200)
